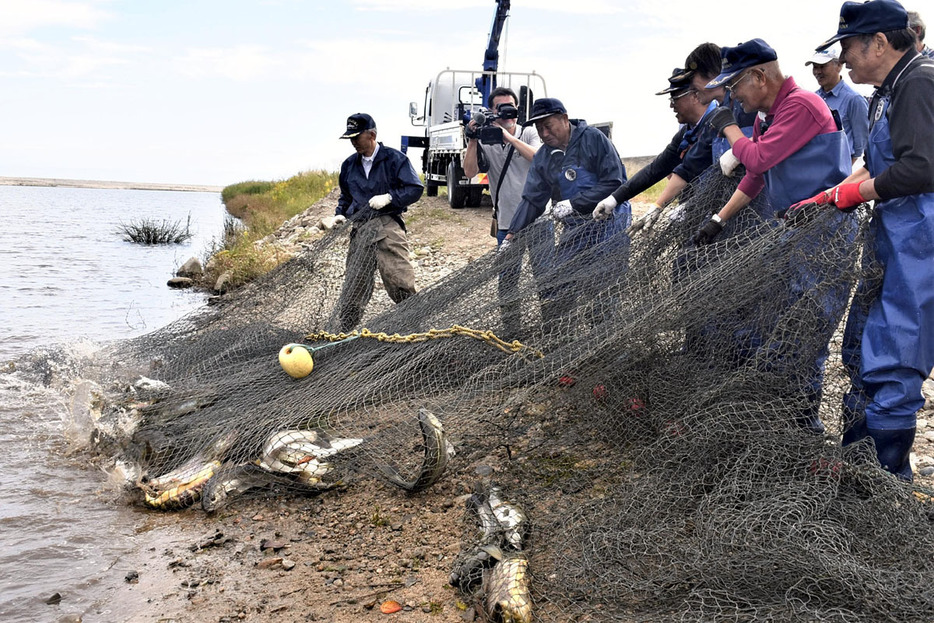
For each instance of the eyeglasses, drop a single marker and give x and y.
(680, 95)
(729, 87)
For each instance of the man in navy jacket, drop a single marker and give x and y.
(378, 184)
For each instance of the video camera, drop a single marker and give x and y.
(488, 133)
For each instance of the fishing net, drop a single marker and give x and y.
(643, 420)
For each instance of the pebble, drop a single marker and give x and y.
(922, 423)
(926, 471)
(268, 562)
(929, 435)
(287, 564)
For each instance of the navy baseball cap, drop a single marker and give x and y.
(680, 80)
(546, 107)
(742, 56)
(868, 18)
(360, 122)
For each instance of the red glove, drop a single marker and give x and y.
(847, 196)
(793, 212)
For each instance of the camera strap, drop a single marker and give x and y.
(502, 176)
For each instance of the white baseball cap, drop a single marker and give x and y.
(825, 56)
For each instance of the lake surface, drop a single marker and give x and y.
(67, 283)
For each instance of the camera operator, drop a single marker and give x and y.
(507, 161)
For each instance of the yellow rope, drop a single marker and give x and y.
(484, 336)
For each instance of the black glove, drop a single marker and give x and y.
(710, 230)
(471, 132)
(721, 118)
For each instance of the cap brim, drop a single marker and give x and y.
(672, 90)
(833, 40)
(543, 116)
(723, 78)
(351, 134)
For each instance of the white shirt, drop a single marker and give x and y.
(368, 162)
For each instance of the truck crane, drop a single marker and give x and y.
(450, 100)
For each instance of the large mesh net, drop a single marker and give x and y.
(643, 422)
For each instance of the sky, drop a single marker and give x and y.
(222, 91)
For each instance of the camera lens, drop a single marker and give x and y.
(507, 111)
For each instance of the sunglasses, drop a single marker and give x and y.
(680, 95)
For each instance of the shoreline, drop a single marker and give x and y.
(52, 182)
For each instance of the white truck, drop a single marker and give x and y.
(450, 99)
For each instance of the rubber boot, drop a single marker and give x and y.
(854, 427)
(893, 448)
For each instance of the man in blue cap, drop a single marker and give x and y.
(575, 168)
(888, 346)
(682, 160)
(377, 184)
(705, 62)
(796, 150)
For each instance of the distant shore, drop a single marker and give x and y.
(40, 181)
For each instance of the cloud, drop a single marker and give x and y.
(18, 17)
(241, 63)
(76, 58)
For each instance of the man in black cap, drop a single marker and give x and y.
(378, 184)
(575, 168)
(888, 341)
(680, 159)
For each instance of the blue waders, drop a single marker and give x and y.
(888, 343)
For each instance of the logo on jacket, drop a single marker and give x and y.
(570, 175)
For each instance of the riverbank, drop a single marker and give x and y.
(52, 182)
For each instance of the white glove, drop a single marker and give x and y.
(728, 162)
(645, 223)
(562, 210)
(604, 209)
(380, 201)
(505, 244)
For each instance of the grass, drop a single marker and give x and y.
(261, 208)
(151, 231)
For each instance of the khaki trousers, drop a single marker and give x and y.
(379, 244)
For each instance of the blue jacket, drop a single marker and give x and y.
(391, 173)
(586, 173)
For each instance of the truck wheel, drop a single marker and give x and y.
(475, 197)
(431, 189)
(457, 195)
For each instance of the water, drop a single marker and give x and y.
(68, 281)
